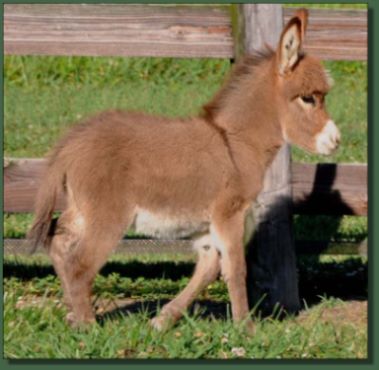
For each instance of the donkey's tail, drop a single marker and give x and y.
(42, 228)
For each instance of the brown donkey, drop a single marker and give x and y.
(118, 168)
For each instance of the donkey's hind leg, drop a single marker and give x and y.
(66, 235)
(82, 265)
(206, 271)
(79, 248)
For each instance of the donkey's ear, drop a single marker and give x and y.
(291, 41)
(302, 14)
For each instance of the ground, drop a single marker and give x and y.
(130, 290)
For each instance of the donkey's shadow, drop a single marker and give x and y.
(205, 309)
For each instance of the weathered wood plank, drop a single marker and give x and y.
(331, 189)
(335, 34)
(184, 246)
(156, 30)
(21, 181)
(123, 30)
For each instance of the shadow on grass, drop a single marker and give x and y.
(132, 269)
(201, 308)
(346, 280)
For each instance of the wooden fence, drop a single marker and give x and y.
(327, 189)
(203, 31)
(166, 31)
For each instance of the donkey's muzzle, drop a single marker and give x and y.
(328, 140)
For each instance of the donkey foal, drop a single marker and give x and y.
(120, 168)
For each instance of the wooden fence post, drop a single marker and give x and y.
(272, 274)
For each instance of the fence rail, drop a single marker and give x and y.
(165, 31)
(331, 189)
(185, 247)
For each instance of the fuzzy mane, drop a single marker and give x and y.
(244, 67)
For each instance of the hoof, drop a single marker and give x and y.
(250, 328)
(70, 318)
(75, 323)
(161, 323)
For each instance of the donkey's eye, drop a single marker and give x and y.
(308, 99)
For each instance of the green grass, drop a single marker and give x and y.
(36, 71)
(338, 229)
(34, 325)
(71, 88)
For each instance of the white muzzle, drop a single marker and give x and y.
(328, 139)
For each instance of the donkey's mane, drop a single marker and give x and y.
(246, 66)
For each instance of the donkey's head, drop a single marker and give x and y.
(303, 83)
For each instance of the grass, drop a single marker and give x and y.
(34, 325)
(72, 88)
(339, 229)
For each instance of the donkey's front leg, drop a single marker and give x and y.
(227, 233)
(206, 271)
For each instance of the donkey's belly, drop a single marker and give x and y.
(168, 227)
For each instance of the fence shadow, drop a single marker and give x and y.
(325, 173)
(314, 204)
(130, 269)
(323, 193)
(272, 263)
(346, 280)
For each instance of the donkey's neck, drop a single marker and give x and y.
(247, 114)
